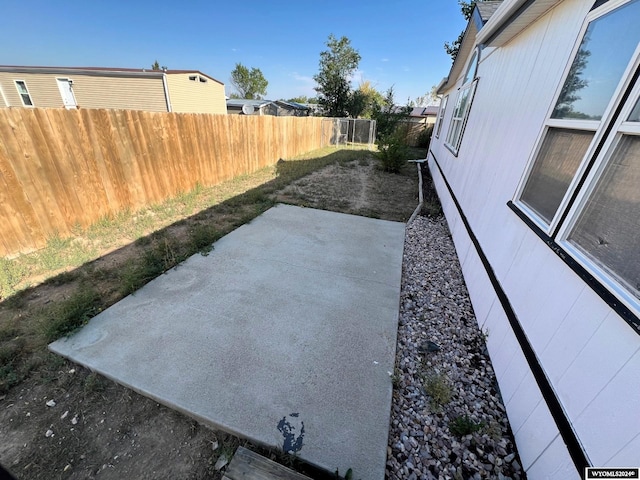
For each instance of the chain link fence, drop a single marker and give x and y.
(348, 132)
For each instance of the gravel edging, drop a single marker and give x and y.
(443, 377)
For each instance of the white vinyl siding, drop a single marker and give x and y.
(587, 351)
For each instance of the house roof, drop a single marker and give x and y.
(294, 105)
(107, 71)
(417, 112)
(240, 102)
(487, 9)
(431, 110)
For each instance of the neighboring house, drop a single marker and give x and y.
(314, 109)
(420, 115)
(278, 108)
(536, 159)
(241, 106)
(182, 91)
(418, 119)
(292, 109)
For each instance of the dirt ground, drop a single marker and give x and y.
(359, 188)
(66, 422)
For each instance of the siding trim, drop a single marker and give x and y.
(166, 91)
(569, 436)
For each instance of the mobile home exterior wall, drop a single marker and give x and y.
(98, 90)
(567, 362)
(180, 91)
(196, 93)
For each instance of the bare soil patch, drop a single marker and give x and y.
(358, 187)
(59, 420)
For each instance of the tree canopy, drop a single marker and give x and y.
(156, 66)
(302, 99)
(363, 101)
(337, 66)
(467, 10)
(250, 84)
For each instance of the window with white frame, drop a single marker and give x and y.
(24, 93)
(463, 105)
(582, 186)
(443, 108)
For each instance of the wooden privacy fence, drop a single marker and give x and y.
(62, 168)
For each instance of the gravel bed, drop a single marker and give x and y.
(448, 420)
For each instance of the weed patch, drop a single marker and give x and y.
(68, 315)
(11, 273)
(438, 388)
(464, 425)
(94, 383)
(202, 237)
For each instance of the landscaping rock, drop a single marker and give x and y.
(467, 436)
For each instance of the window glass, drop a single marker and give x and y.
(459, 117)
(471, 70)
(599, 64)
(635, 113)
(24, 93)
(443, 107)
(607, 229)
(554, 168)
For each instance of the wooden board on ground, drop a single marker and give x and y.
(248, 465)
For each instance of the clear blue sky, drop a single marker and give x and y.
(401, 41)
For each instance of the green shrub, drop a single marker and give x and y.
(424, 137)
(393, 152)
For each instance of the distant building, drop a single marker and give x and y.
(242, 106)
(277, 108)
(181, 91)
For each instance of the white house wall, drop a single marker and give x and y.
(589, 354)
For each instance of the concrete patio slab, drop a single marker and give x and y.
(284, 334)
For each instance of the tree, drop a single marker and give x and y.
(156, 66)
(388, 116)
(250, 84)
(572, 85)
(467, 11)
(337, 65)
(467, 8)
(303, 99)
(364, 100)
(426, 99)
(392, 131)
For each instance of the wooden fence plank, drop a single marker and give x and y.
(21, 230)
(59, 168)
